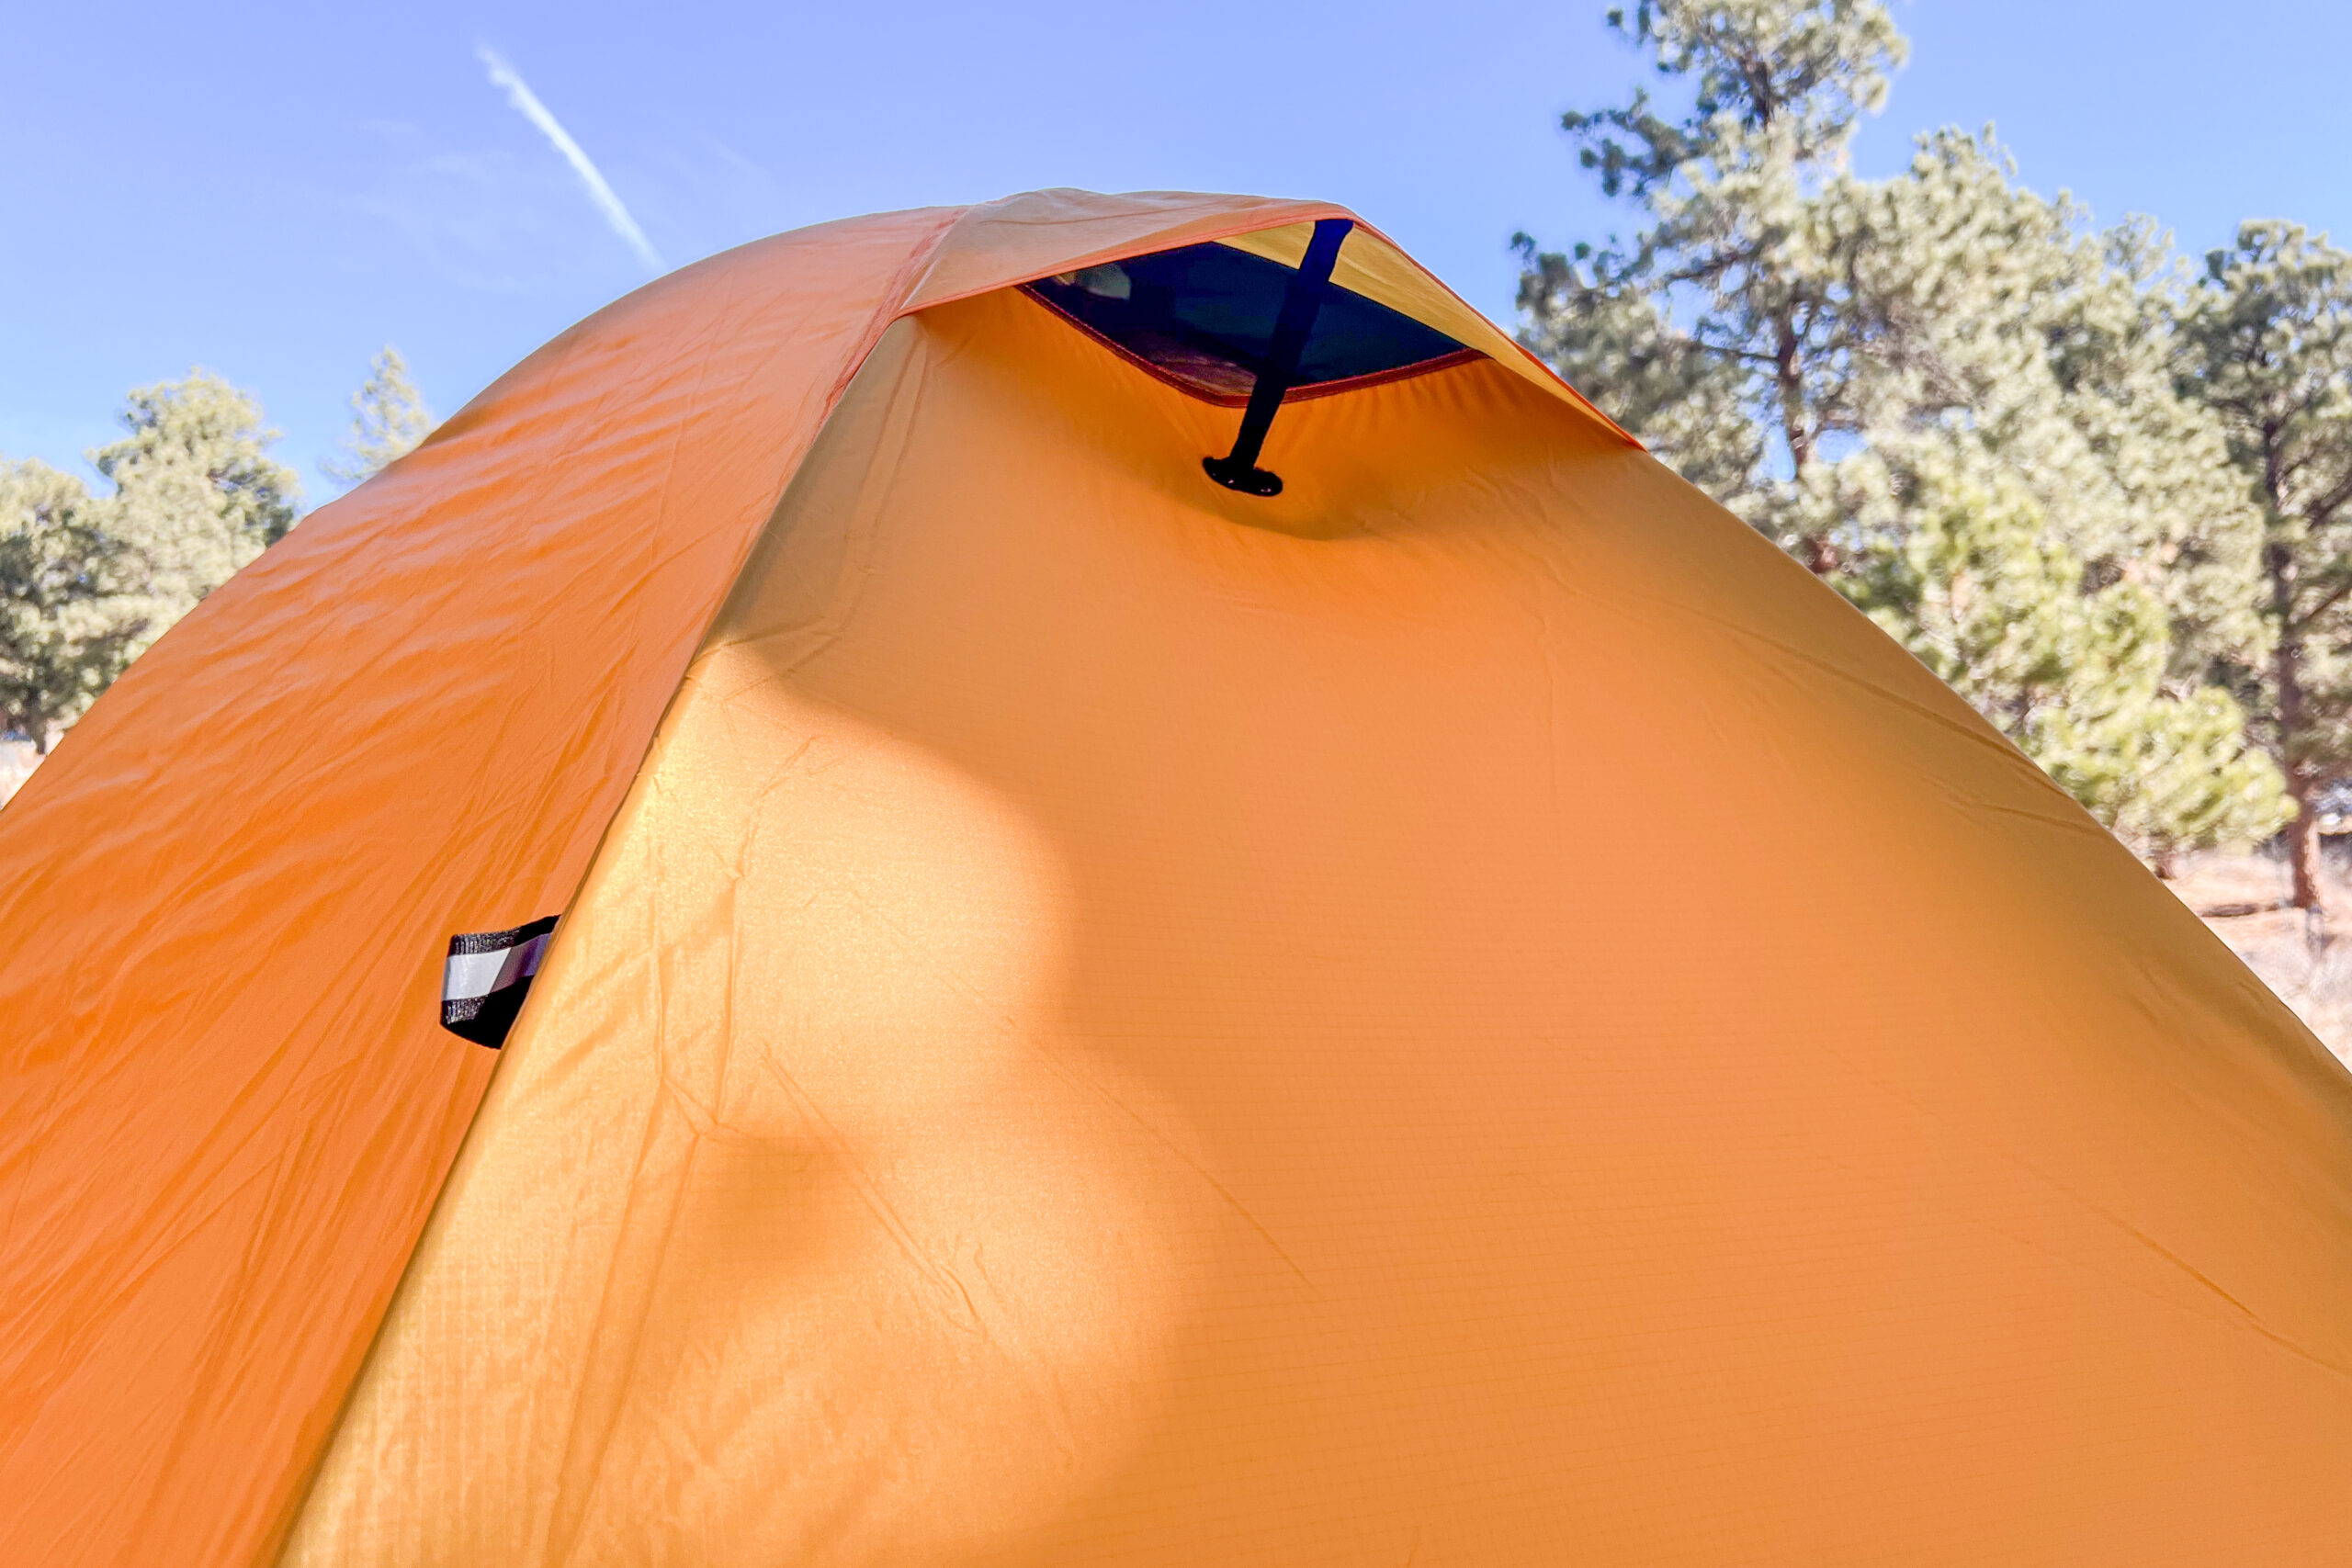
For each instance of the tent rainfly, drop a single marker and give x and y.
(1089, 880)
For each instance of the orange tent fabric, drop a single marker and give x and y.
(1116, 1020)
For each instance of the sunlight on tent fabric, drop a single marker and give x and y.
(1101, 1018)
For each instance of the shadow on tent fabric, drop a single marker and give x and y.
(1448, 1007)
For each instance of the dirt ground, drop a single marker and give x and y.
(15, 762)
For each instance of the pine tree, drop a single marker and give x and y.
(1735, 295)
(389, 418)
(88, 582)
(2270, 334)
(1951, 398)
(60, 643)
(2076, 670)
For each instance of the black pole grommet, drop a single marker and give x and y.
(1248, 478)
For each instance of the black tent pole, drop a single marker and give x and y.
(1238, 469)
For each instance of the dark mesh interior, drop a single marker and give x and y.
(1204, 315)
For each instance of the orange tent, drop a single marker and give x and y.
(1411, 992)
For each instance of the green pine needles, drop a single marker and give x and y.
(2033, 451)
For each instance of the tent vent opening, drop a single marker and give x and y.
(1204, 318)
(488, 975)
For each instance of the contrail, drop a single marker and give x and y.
(519, 94)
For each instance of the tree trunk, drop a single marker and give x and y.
(2302, 781)
(1788, 376)
(2302, 846)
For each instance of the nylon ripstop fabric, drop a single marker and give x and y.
(1470, 1012)
(227, 1102)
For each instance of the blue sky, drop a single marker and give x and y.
(274, 192)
